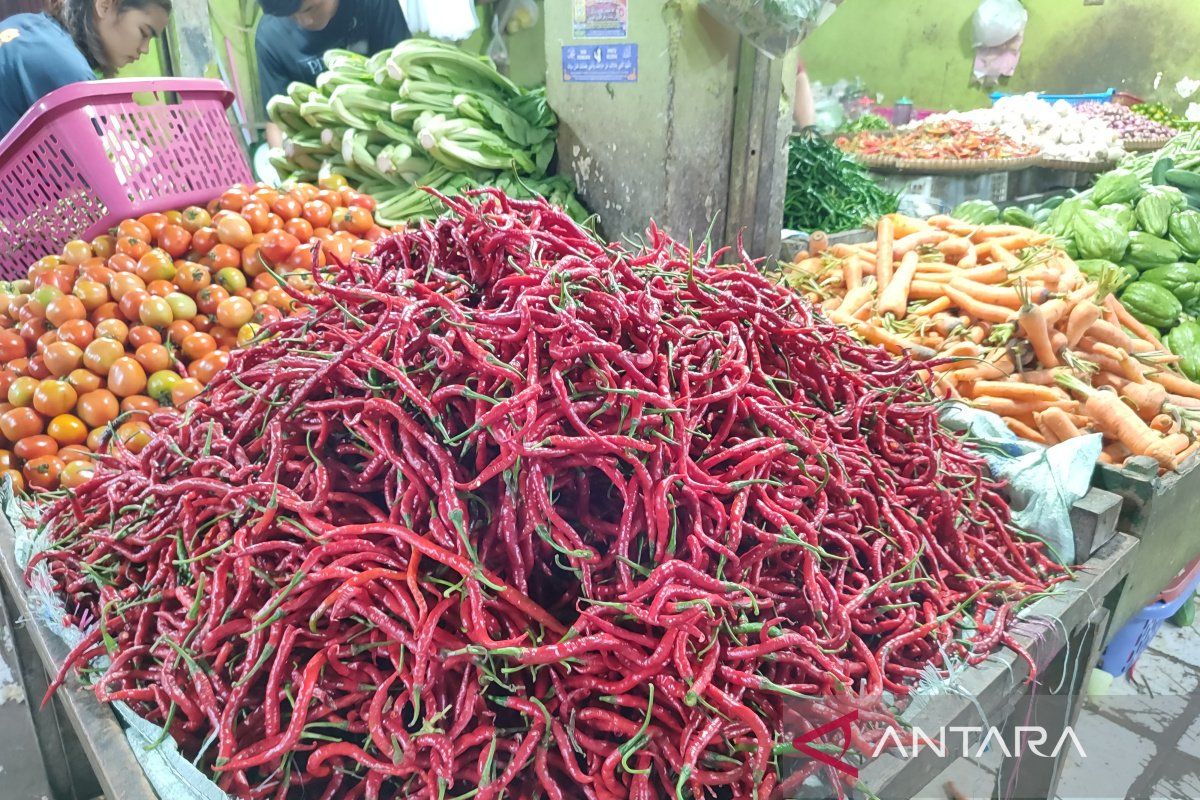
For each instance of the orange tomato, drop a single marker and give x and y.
(257, 216)
(131, 303)
(126, 377)
(132, 246)
(114, 329)
(67, 429)
(101, 354)
(193, 277)
(247, 333)
(64, 309)
(34, 446)
(299, 227)
(195, 218)
(104, 246)
(108, 311)
(76, 252)
(179, 330)
(160, 288)
(37, 368)
(277, 246)
(139, 405)
(91, 293)
(208, 298)
(143, 334)
(232, 200)
(287, 207)
(153, 357)
(264, 282)
(197, 345)
(204, 240)
(83, 381)
(98, 407)
(330, 198)
(16, 480)
(156, 265)
(78, 332)
(20, 366)
(124, 282)
(43, 472)
(202, 322)
(205, 369)
(132, 228)
(175, 240)
(75, 452)
(97, 439)
(184, 391)
(62, 358)
(234, 312)
(225, 338)
(18, 423)
(134, 435)
(155, 312)
(279, 298)
(318, 213)
(303, 192)
(53, 397)
(155, 223)
(7, 379)
(76, 473)
(236, 231)
(12, 346)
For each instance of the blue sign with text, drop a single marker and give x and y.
(600, 63)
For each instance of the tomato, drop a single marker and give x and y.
(101, 354)
(333, 182)
(20, 392)
(53, 397)
(195, 218)
(287, 207)
(31, 331)
(83, 381)
(134, 435)
(318, 213)
(204, 240)
(114, 329)
(46, 339)
(182, 306)
(156, 265)
(303, 192)
(37, 368)
(301, 228)
(161, 288)
(78, 332)
(76, 252)
(225, 338)
(98, 407)
(64, 309)
(358, 200)
(364, 247)
(131, 303)
(236, 231)
(76, 473)
(62, 358)
(91, 293)
(7, 379)
(16, 480)
(43, 472)
(132, 246)
(143, 334)
(279, 298)
(185, 390)
(156, 312)
(12, 346)
(179, 330)
(104, 246)
(108, 311)
(124, 282)
(155, 223)
(139, 405)
(134, 229)
(75, 452)
(126, 377)
(175, 240)
(264, 282)
(231, 279)
(247, 333)
(208, 298)
(202, 322)
(42, 297)
(277, 246)
(193, 277)
(153, 357)
(161, 384)
(205, 369)
(67, 429)
(18, 423)
(197, 345)
(232, 200)
(34, 446)
(222, 256)
(256, 216)
(7, 459)
(234, 312)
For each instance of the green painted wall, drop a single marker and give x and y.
(923, 48)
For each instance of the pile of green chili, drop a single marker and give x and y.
(827, 190)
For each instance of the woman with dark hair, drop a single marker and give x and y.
(76, 40)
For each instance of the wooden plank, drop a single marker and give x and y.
(99, 733)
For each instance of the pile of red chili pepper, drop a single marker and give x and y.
(941, 140)
(515, 513)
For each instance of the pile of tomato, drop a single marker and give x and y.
(106, 332)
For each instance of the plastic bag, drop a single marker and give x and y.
(448, 20)
(512, 16)
(999, 21)
(773, 26)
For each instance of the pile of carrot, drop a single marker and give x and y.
(1008, 323)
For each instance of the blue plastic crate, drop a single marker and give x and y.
(1073, 99)
(1127, 646)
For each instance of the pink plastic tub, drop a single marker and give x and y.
(87, 156)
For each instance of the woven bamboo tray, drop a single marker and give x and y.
(1076, 166)
(962, 166)
(884, 163)
(1144, 145)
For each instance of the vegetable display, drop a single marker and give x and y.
(1011, 324)
(1163, 115)
(1057, 130)
(103, 334)
(938, 140)
(422, 114)
(1127, 125)
(828, 191)
(864, 122)
(513, 512)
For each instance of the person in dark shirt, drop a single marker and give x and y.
(78, 39)
(294, 34)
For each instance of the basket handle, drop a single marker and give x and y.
(75, 95)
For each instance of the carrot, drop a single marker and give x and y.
(1146, 398)
(935, 306)
(1058, 423)
(857, 298)
(1033, 324)
(811, 265)
(996, 295)
(1038, 377)
(1186, 456)
(949, 223)
(1105, 458)
(877, 335)
(957, 352)
(947, 324)
(818, 242)
(845, 250)
(1165, 424)
(1081, 318)
(971, 259)
(1002, 256)
(1006, 407)
(1132, 324)
(884, 232)
(1105, 331)
(1024, 431)
(912, 241)
(978, 309)
(1054, 310)
(1130, 369)
(1190, 403)
(986, 273)
(1111, 416)
(953, 248)
(1177, 442)
(852, 273)
(1011, 237)
(893, 298)
(903, 225)
(1020, 391)
(998, 366)
(1058, 341)
(1176, 384)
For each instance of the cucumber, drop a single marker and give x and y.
(1183, 179)
(1158, 175)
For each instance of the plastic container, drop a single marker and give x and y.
(1128, 644)
(1073, 99)
(89, 155)
(902, 113)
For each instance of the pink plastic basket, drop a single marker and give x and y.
(88, 155)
